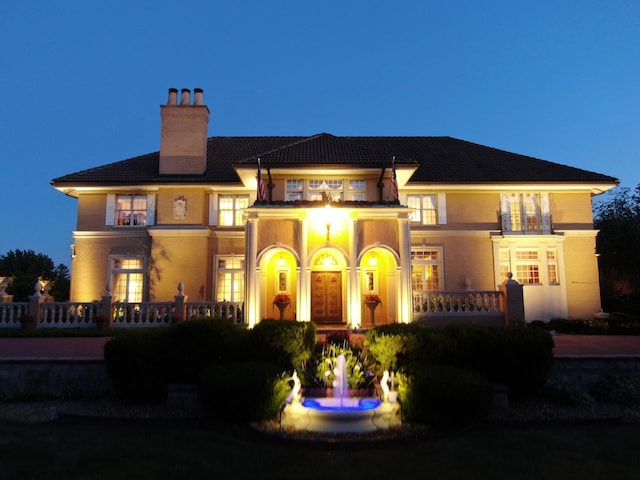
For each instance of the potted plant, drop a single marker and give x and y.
(282, 301)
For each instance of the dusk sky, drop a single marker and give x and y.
(82, 83)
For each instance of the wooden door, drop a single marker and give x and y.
(326, 297)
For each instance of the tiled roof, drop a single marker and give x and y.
(439, 160)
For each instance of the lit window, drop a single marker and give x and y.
(552, 267)
(425, 269)
(525, 213)
(424, 208)
(230, 209)
(527, 267)
(127, 279)
(230, 279)
(131, 210)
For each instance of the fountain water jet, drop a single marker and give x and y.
(340, 413)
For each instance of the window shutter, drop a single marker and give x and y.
(151, 209)
(545, 209)
(442, 209)
(111, 210)
(213, 209)
(505, 212)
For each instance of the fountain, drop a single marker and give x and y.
(339, 413)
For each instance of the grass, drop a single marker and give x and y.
(121, 451)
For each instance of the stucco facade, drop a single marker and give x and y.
(331, 231)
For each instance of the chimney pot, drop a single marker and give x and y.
(198, 96)
(186, 97)
(173, 96)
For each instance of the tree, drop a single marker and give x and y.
(26, 267)
(618, 246)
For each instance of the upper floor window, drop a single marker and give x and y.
(428, 209)
(525, 213)
(317, 189)
(230, 209)
(130, 210)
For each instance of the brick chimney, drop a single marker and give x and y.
(183, 136)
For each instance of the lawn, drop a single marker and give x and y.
(136, 451)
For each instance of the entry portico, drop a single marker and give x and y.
(329, 260)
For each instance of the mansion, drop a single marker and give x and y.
(338, 230)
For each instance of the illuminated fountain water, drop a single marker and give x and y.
(339, 413)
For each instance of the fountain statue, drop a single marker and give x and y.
(339, 413)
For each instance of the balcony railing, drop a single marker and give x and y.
(43, 314)
(475, 302)
(539, 224)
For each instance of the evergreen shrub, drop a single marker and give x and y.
(137, 364)
(287, 343)
(197, 344)
(442, 395)
(241, 392)
(517, 357)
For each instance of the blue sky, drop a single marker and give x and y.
(82, 82)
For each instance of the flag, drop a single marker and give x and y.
(394, 180)
(261, 193)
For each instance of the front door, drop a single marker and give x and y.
(326, 297)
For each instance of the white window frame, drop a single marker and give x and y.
(314, 189)
(127, 272)
(525, 213)
(111, 213)
(439, 201)
(438, 262)
(234, 272)
(547, 258)
(236, 210)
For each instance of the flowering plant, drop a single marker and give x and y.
(282, 298)
(372, 298)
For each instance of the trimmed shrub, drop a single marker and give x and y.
(243, 392)
(441, 395)
(618, 389)
(137, 363)
(396, 345)
(196, 344)
(284, 342)
(579, 326)
(520, 358)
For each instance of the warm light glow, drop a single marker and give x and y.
(281, 261)
(373, 261)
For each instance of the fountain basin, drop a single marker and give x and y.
(334, 415)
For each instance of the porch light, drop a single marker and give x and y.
(327, 213)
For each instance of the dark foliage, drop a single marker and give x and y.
(27, 267)
(243, 391)
(618, 244)
(138, 364)
(442, 395)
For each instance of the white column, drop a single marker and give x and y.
(304, 307)
(252, 289)
(404, 283)
(354, 309)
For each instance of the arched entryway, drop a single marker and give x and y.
(328, 287)
(379, 286)
(279, 283)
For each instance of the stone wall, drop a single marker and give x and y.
(587, 370)
(44, 378)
